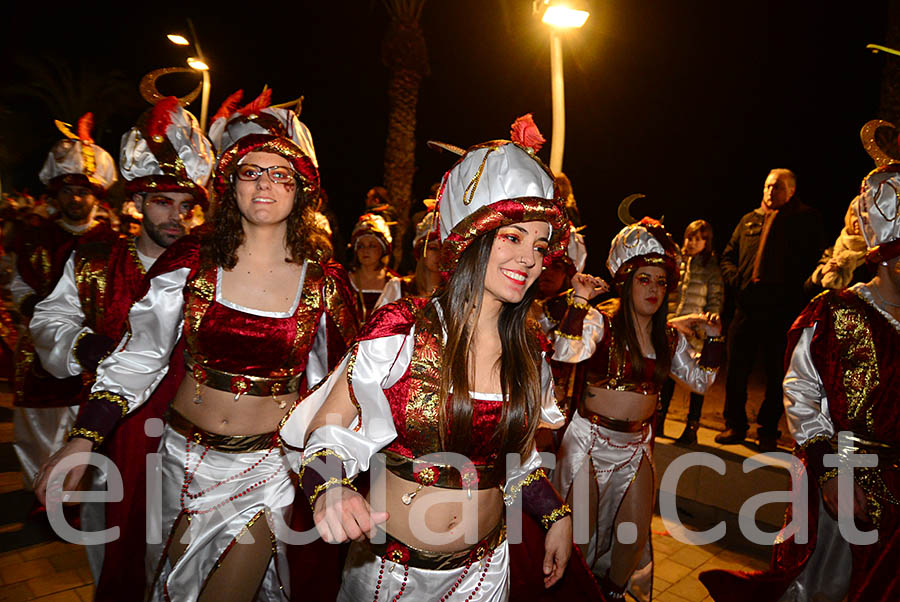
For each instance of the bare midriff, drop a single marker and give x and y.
(621, 405)
(219, 413)
(438, 518)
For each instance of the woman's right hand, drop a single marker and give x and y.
(341, 514)
(73, 477)
(587, 287)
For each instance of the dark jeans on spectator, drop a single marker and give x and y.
(749, 332)
(665, 397)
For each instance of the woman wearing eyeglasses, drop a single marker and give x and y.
(605, 461)
(262, 314)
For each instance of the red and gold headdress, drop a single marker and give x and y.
(878, 203)
(494, 184)
(77, 160)
(167, 151)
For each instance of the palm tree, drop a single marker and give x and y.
(405, 55)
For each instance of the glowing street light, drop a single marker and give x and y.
(197, 63)
(559, 15)
(564, 17)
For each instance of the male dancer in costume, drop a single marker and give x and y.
(77, 172)
(166, 162)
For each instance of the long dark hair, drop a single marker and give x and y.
(520, 360)
(220, 242)
(624, 328)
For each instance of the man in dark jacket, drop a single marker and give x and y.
(766, 262)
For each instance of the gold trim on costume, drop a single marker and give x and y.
(83, 433)
(548, 519)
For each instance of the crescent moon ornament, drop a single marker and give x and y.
(867, 135)
(439, 146)
(151, 93)
(624, 211)
(294, 105)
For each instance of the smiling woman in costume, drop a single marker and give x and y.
(263, 314)
(629, 352)
(460, 372)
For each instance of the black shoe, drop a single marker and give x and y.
(731, 437)
(767, 443)
(689, 436)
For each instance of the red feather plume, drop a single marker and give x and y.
(259, 103)
(161, 117)
(229, 106)
(85, 125)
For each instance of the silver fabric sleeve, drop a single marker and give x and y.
(141, 359)
(317, 364)
(392, 291)
(57, 323)
(686, 367)
(377, 365)
(805, 402)
(573, 351)
(551, 416)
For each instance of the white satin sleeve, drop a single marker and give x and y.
(550, 413)
(518, 474)
(18, 288)
(805, 402)
(687, 369)
(377, 365)
(141, 359)
(547, 324)
(392, 292)
(57, 323)
(317, 363)
(572, 351)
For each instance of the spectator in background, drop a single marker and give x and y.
(427, 250)
(700, 290)
(839, 263)
(371, 250)
(766, 262)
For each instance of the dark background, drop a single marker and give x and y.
(689, 102)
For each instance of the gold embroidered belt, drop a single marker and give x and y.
(230, 444)
(431, 474)
(241, 384)
(396, 551)
(613, 424)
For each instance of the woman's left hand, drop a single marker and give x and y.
(557, 550)
(687, 325)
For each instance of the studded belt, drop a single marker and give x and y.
(396, 551)
(241, 384)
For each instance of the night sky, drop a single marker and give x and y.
(685, 101)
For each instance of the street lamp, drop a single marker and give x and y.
(559, 15)
(197, 63)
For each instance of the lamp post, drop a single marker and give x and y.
(559, 16)
(198, 63)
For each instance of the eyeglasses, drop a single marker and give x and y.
(645, 280)
(278, 174)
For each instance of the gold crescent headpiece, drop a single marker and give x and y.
(294, 105)
(867, 135)
(152, 95)
(624, 211)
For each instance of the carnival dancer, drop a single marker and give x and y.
(78, 172)
(630, 351)
(371, 245)
(842, 378)
(427, 250)
(166, 162)
(264, 315)
(461, 373)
